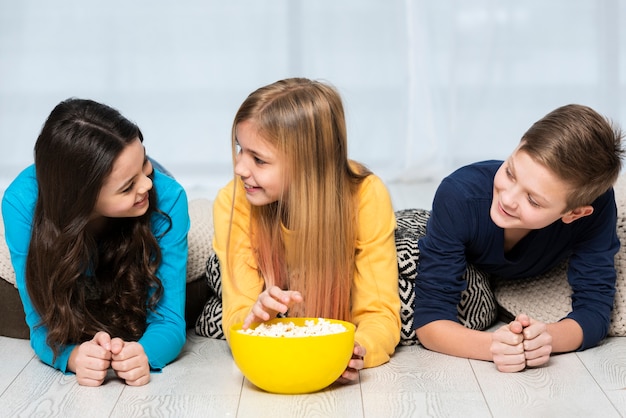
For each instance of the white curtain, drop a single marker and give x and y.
(427, 85)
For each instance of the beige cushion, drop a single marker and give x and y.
(548, 296)
(200, 240)
(200, 237)
(6, 268)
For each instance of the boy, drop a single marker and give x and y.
(552, 199)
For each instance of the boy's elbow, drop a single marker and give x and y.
(425, 335)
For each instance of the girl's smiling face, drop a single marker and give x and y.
(124, 193)
(259, 166)
(527, 195)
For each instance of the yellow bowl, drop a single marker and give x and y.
(292, 364)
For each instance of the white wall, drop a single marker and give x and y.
(427, 85)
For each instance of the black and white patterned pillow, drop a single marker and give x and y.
(209, 323)
(411, 225)
(477, 309)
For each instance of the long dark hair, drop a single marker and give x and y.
(80, 283)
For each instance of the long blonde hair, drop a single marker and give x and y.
(304, 120)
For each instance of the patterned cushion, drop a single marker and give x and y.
(476, 310)
(411, 226)
(209, 323)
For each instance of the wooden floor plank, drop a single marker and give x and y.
(563, 388)
(418, 382)
(203, 381)
(15, 354)
(341, 401)
(607, 365)
(40, 390)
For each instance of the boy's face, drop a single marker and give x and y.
(527, 195)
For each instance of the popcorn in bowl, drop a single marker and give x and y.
(289, 329)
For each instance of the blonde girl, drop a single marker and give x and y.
(302, 230)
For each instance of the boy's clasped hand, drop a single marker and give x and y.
(524, 342)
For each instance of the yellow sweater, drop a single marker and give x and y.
(375, 298)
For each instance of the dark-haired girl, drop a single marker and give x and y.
(98, 241)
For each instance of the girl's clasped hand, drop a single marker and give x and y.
(92, 359)
(524, 342)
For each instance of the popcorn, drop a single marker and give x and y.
(283, 329)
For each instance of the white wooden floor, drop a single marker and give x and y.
(205, 382)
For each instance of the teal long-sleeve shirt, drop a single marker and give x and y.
(166, 330)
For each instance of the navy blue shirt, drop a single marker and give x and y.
(460, 231)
